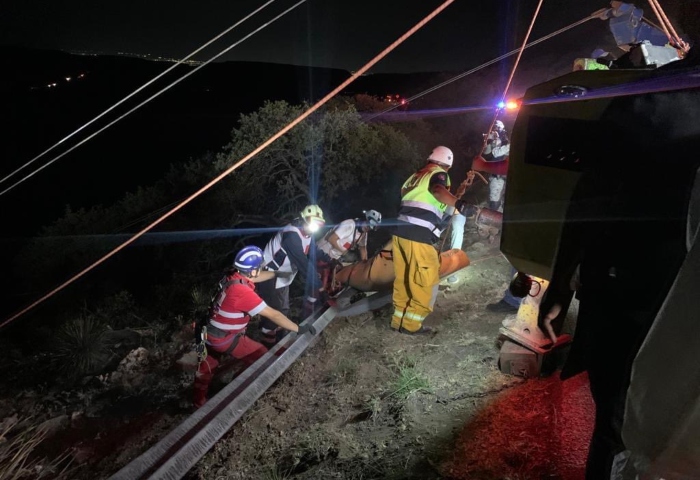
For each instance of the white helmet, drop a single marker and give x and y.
(499, 125)
(442, 155)
(313, 216)
(374, 218)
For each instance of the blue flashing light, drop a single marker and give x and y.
(501, 104)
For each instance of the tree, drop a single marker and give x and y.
(329, 154)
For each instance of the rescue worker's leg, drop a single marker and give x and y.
(400, 295)
(248, 350)
(421, 277)
(458, 222)
(207, 368)
(277, 298)
(202, 380)
(496, 186)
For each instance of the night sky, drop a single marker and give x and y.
(328, 33)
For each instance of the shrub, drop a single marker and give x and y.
(80, 346)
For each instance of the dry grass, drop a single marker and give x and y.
(18, 459)
(516, 436)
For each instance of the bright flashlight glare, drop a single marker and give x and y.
(314, 226)
(511, 105)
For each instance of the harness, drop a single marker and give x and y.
(203, 326)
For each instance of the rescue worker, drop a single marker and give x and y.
(496, 150)
(229, 315)
(287, 253)
(497, 144)
(424, 199)
(347, 242)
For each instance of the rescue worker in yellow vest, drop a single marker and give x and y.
(424, 198)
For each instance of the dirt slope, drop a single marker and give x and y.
(369, 403)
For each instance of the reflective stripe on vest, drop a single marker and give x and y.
(228, 328)
(226, 314)
(418, 205)
(421, 223)
(276, 257)
(425, 206)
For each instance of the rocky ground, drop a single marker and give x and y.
(363, 403)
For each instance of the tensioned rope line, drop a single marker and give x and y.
(490, 62)
(512, 73)
(233, 45)
(155, 95)
(664, 28)
(142, 87)
(668, 26)
(470, 174)
(235, 166)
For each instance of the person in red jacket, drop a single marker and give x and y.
(230, 313)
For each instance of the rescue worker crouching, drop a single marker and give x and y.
(347, 242)
(288, 252)
(229, 315)
(424, 198)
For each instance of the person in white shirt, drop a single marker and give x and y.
(347, 242)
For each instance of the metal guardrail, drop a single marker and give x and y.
(180, 450)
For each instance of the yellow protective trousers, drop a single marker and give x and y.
(417, 270)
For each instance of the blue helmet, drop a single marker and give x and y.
(248, 259)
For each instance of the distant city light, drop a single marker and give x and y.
(68, 79)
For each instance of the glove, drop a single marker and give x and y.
(306, 328)
(465, 209)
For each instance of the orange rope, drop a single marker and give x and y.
(470, 174)
(235, 166)
(512, 73)
(661, 21)
(675, 38)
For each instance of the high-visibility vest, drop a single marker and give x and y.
(227, 317)
(418, 206)
(276, 257)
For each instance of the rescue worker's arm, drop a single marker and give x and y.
(265, 275)
(504, 138)
(363, 253)
(438, 187)
(334, 240)
(295, 252)
(281, 320)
